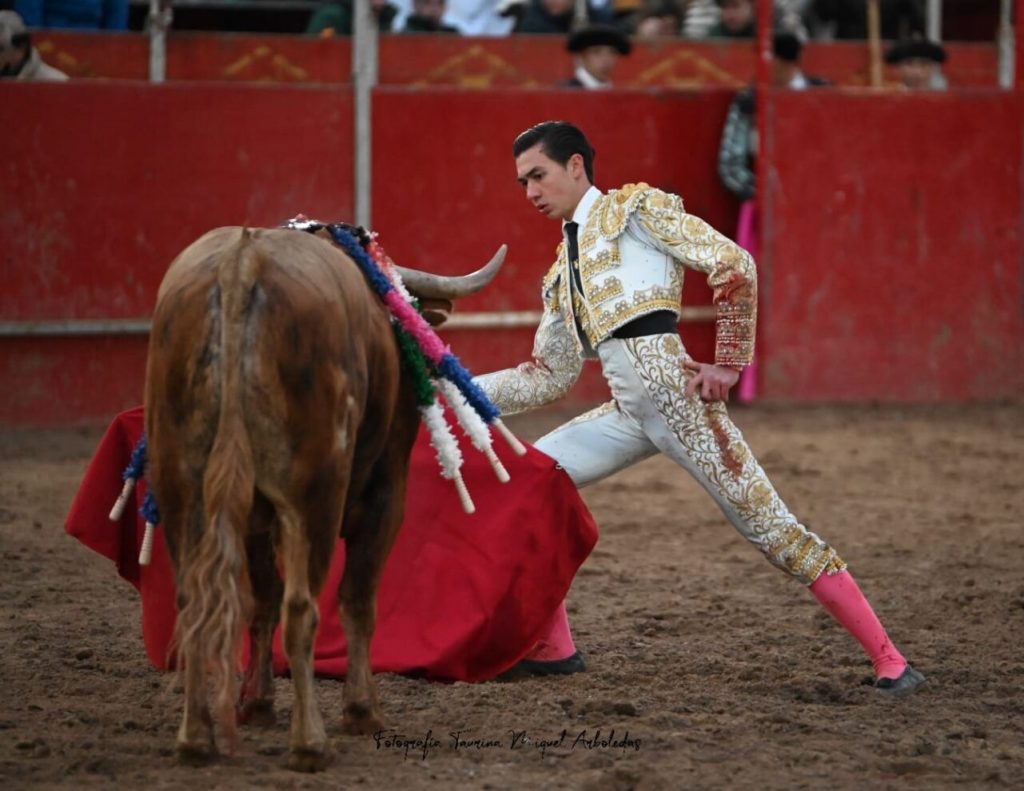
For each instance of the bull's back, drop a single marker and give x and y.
(311, 330)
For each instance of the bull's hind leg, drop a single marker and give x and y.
(257, 700)
(370, 528)
(306, 557)
(181, 506)
(195, 734)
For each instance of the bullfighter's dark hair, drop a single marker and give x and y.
(559, 140)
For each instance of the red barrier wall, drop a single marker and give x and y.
(105, 202)
(892, 267)
(893, 232)
(105, 183)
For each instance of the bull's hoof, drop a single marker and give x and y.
(360, 720)
(196, 754)
(305, 760)
(257, 712)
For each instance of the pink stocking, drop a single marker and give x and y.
(556, 641)
(841, 596)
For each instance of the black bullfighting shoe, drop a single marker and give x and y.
(907, 683)
(525, 668)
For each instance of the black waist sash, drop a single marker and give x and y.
(660, 322)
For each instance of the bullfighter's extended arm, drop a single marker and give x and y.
(555, 367)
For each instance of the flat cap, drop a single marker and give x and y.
(787, 47)
(915, 49)
(597, 36)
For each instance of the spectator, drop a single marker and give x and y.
(700, 17)
(19, 60)
(738, 19)
(848, 19)
(737, 160)
(426, 18)
(919, 63)
(335, 17)
(659, 19)
(556, 16)
(478, 17)
(83, 14)
(597, 49)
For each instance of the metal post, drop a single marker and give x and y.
(1006, 44)
(364, 77)
(933, 23)
(1019, 32)
(875, 43)
(763, 119)
(764, 200)
(580, 14)
(158, 21)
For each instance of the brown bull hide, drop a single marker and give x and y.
(277, 415)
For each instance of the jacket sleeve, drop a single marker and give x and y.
(554, 369)
(734, 151)
(661, 218)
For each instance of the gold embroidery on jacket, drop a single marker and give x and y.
(602, 261)
(609, 289)
(640, 304)
(729, 268)
(614, 209)
(549, 284)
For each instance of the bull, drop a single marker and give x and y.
(279, 417)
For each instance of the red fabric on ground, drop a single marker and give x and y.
(463, 597)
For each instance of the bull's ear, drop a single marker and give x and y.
(436, 311)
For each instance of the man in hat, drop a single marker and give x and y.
(919, 63)
(597, 49)
(426, 18)
(18, 58)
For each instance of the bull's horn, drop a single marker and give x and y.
(425, 284)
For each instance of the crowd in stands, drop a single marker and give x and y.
(597, 32)
(692, 19)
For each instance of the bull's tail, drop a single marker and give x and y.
(217, 596)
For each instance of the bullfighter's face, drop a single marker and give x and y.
(553, 188)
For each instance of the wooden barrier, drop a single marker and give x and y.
(893, 249)
(892, 264)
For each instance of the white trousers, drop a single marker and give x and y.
(650, 412)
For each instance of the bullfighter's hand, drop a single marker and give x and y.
(714, 381)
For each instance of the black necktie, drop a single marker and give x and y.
(574, 254)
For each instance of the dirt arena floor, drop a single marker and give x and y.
(708, 668)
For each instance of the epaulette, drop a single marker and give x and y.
(615, 208)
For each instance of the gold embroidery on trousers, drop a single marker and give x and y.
(718, 451)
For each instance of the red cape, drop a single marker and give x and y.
(463, 597)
